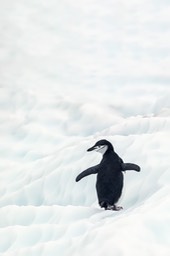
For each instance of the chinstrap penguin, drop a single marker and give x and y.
(109, 183)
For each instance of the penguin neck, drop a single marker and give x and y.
(108, 152)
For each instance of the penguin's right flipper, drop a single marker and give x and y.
(91, 170)
(130, 166)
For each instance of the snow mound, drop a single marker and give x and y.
(71, 74)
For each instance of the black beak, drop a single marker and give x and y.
(91, 149)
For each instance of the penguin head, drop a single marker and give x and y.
(102, 146)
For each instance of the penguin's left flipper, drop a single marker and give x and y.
(130, 167)
(89, 171)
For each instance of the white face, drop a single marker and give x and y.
(101, 149)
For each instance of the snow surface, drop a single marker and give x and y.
(71, 73)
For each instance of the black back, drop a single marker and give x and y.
(109, 178)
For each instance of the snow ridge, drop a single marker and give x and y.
(71, 74)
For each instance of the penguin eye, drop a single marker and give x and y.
(101, 149)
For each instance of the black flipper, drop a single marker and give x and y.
(130, 166)
(91, 170)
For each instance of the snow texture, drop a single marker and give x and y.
(71, 73)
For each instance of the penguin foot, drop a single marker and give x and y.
(114, 208)
(108, 206)
(118, 208)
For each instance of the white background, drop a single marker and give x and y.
(71, 73)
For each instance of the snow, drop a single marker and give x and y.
(74, 72)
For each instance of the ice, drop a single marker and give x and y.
(74, 72)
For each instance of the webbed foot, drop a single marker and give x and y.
(114, 208)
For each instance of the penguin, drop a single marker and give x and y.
(109, 172)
